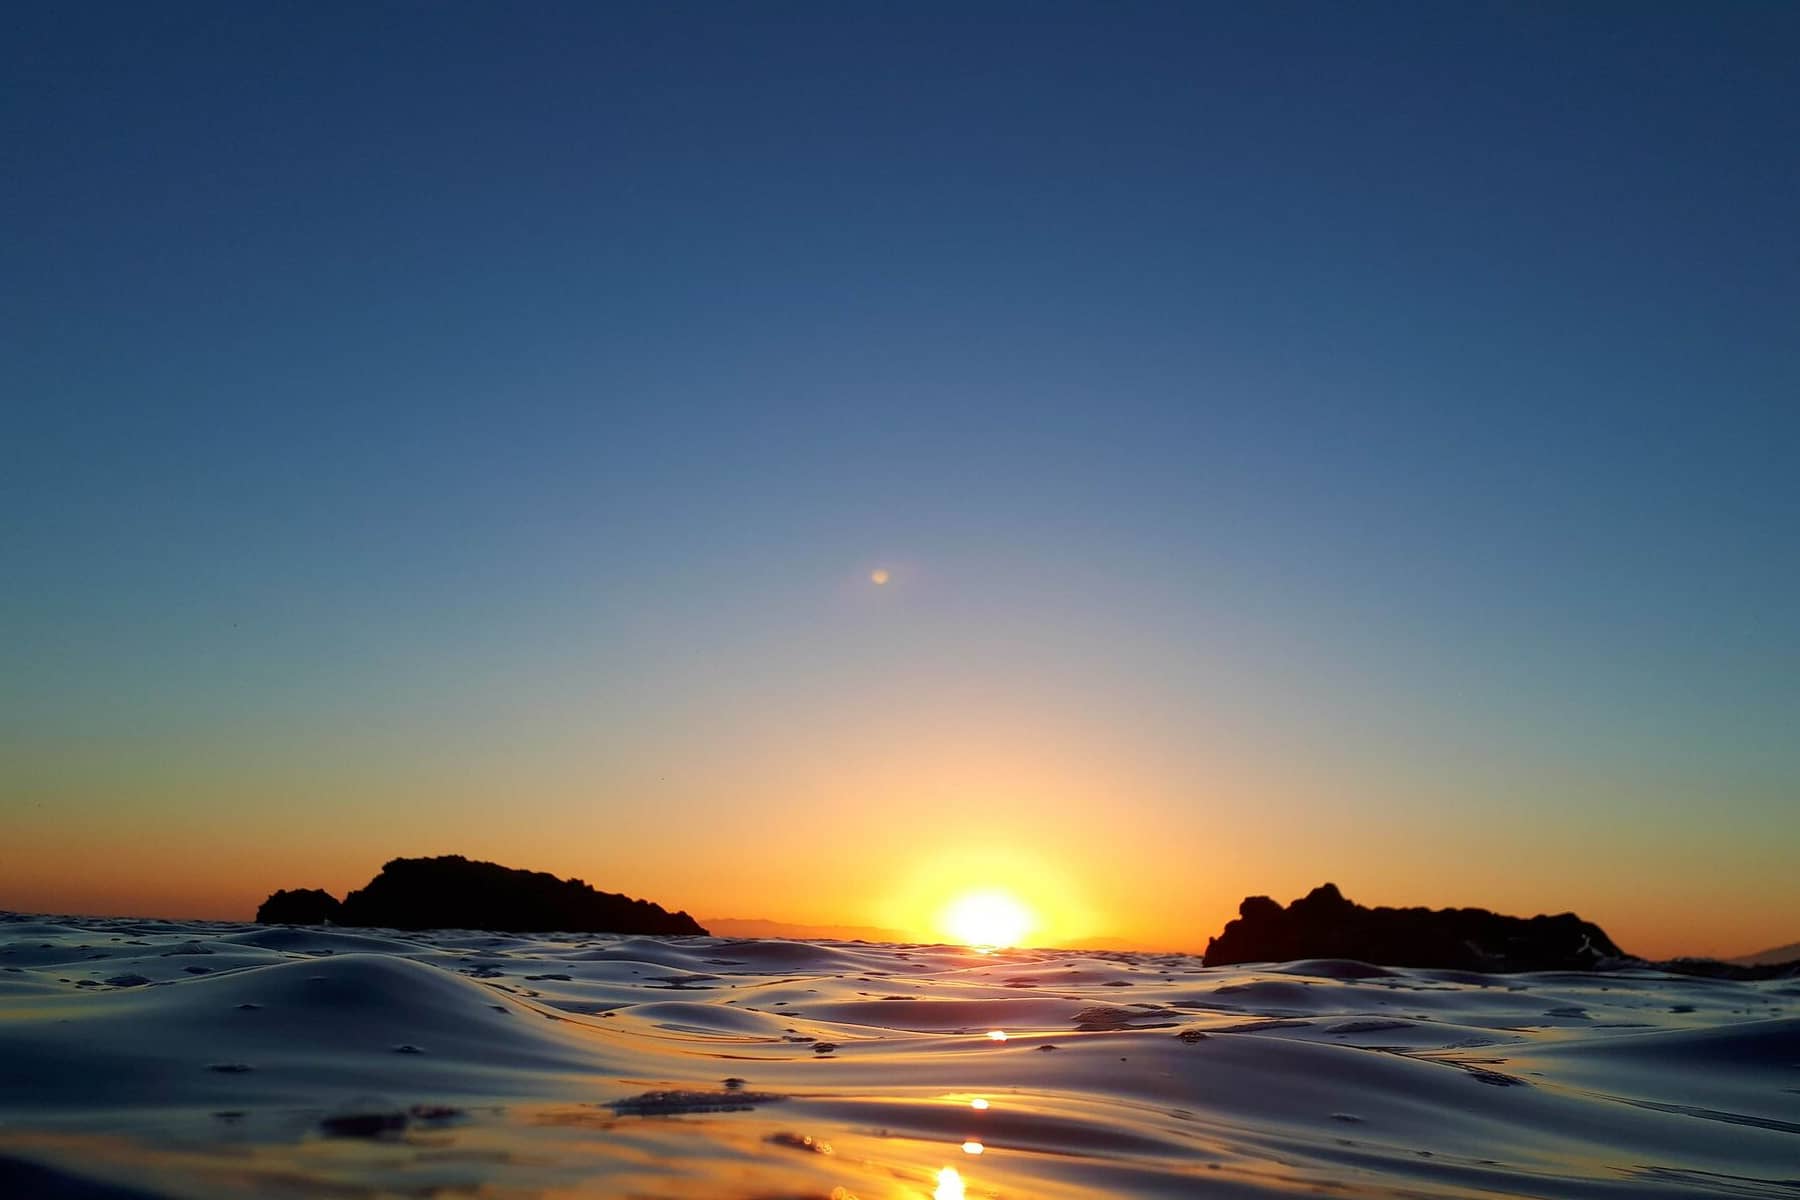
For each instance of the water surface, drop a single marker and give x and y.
(177, 1059)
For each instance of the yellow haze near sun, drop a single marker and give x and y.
(991, 896)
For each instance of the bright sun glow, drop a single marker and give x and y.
(987, 918)
(949, 1185)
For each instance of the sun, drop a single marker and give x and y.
(989, 919)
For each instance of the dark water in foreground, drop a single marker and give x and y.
(205, 1059)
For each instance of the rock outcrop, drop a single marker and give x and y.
(302, 906)
(1323, 924)
(453, 892)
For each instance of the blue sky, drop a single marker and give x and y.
(1405, 387)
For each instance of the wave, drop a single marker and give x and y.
(176, 1059)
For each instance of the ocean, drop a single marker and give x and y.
(145, 1058)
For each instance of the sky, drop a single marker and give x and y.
(1304, 442)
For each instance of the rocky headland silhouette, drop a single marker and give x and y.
(301, 906)
(453, 892)
(1324, 924)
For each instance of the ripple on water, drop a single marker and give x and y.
(790, 1068)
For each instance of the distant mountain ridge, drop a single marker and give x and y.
(453, 892)
(761, 927)
(1106, 943)
(1775, 955)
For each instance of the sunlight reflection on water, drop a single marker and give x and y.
(486, 1064)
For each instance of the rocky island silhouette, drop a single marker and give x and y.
(1323, 924)
(453, 892)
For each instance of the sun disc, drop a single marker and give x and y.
(988, 919)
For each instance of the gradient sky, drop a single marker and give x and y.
(1307, 441)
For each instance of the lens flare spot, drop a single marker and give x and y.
(973, 1147)
(879, 576)
(996, 1035)
(979, 1104)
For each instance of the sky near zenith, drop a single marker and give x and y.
(1303, 442)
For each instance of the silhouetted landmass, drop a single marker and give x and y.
(452, 892)
(1322, 924)
(1778, 955)
(1102, 943)
(759, 927)
(1712, 968)
(302, 906)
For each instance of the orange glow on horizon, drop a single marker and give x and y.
(990, 891)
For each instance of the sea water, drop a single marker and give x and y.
(174, 1059)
